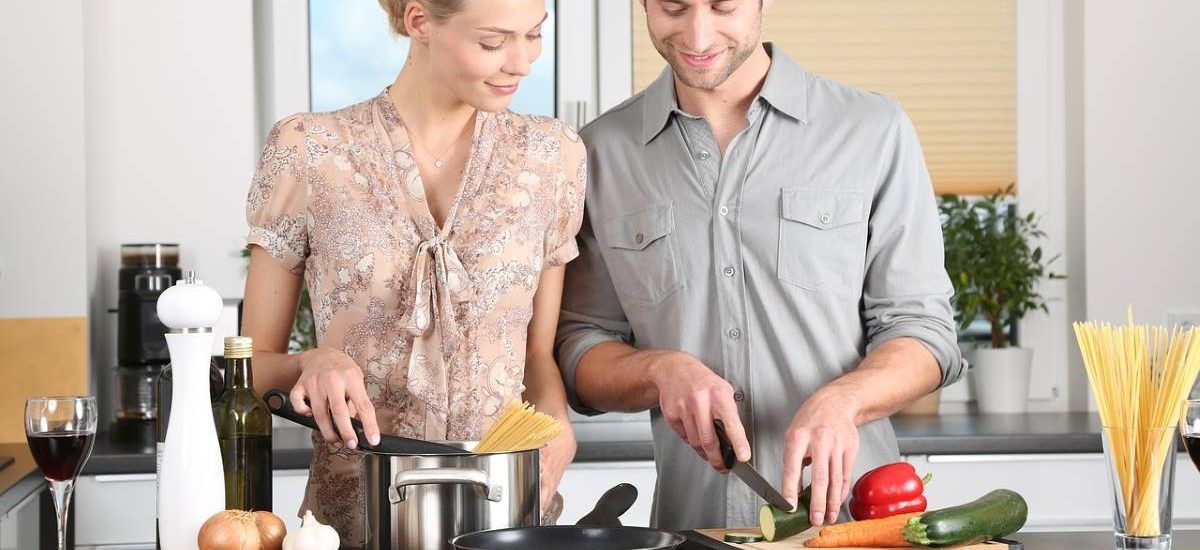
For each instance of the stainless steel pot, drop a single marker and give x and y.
(420, 502)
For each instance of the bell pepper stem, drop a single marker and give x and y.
(928, 477)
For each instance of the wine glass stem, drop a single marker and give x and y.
(61, 491)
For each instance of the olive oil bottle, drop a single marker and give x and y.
(244, 431)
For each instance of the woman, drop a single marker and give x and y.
(430, 226)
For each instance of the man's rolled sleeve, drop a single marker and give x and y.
(590, 313)
(906, 292)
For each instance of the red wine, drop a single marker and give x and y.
(61, 455)
(1192, 443)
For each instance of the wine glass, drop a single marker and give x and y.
(1189, 428)
(60, 432)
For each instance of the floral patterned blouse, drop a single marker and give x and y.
(436, 317)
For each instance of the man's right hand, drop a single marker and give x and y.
(691, 396)
(331, 390)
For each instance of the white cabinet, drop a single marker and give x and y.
(1065, 492)
(114, 509)
(287, 492)
(118, 511)
(19, 526)
(583, 483)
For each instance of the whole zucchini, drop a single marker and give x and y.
(777, 524)
(995, 514)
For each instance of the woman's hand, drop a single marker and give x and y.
(555, 457)
(331, 390)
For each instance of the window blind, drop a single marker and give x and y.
(951, 64)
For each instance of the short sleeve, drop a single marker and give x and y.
(569, 192)
(277, 202)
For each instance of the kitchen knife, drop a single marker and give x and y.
(277, 401)
(746, 472)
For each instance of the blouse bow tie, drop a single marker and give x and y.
(439, 281)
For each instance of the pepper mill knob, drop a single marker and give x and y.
(189, 305)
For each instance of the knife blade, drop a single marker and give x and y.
(745, 472)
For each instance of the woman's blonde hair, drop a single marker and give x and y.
(439, 10)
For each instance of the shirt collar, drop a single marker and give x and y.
(785, 89)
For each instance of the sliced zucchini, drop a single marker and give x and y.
(742, 538)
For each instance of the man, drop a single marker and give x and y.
(769, 239)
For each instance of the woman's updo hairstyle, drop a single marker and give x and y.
(439, 10)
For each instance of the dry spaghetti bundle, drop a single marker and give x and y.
(1140, 376)
(519, 428)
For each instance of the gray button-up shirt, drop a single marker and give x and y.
(812, 241)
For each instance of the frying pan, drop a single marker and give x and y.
(277, 401)
(599, 529)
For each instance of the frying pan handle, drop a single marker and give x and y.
(442, 476)
(279, 404)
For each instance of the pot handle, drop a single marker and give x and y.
(439, 476)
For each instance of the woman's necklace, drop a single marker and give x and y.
(437, 160)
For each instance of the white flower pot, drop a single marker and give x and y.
(1002, 379)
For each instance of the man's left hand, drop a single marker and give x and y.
(823, 434)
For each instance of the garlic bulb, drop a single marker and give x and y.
(312, 535)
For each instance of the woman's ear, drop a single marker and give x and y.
(416, 21)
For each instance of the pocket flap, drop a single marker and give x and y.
(821, 208)
(637, 230)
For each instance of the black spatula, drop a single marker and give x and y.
(279, 404)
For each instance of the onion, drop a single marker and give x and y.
(271, 530)
(241, 530)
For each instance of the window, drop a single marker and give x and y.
(354, 54)
(952, 65)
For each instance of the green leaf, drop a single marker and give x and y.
(993, 258)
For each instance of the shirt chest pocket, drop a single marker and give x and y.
(642, 259)
(822, 238)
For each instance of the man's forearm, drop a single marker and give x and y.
(616, 377)
(891, 377)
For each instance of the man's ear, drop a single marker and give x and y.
(416, 21)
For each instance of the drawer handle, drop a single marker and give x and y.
(118, 478)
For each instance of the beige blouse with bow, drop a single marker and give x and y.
(436, 317)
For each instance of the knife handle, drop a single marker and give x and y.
(727, 453)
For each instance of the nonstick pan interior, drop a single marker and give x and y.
(569, 537)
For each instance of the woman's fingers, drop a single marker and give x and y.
(364, 410)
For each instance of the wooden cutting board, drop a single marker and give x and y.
(797, 542)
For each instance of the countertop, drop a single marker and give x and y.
(1062, 540)
(627, 440)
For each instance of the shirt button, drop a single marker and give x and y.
(735, 333)
(729, 271)
(724, 210)
(639, 238)
(739, 395)
(825, 217)
(704, 155)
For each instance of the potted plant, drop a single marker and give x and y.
(995, 265)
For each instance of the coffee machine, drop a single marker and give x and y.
(147, 270)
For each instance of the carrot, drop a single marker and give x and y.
(874, 533)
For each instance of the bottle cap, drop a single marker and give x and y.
(238, 347)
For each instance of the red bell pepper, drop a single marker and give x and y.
(888, 490)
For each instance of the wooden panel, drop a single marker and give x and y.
(43, 356)
(797, 542)
(952, 64)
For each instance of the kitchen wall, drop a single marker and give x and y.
(1140, 149)
(43, 303)
(139, 120)
(172, 140)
